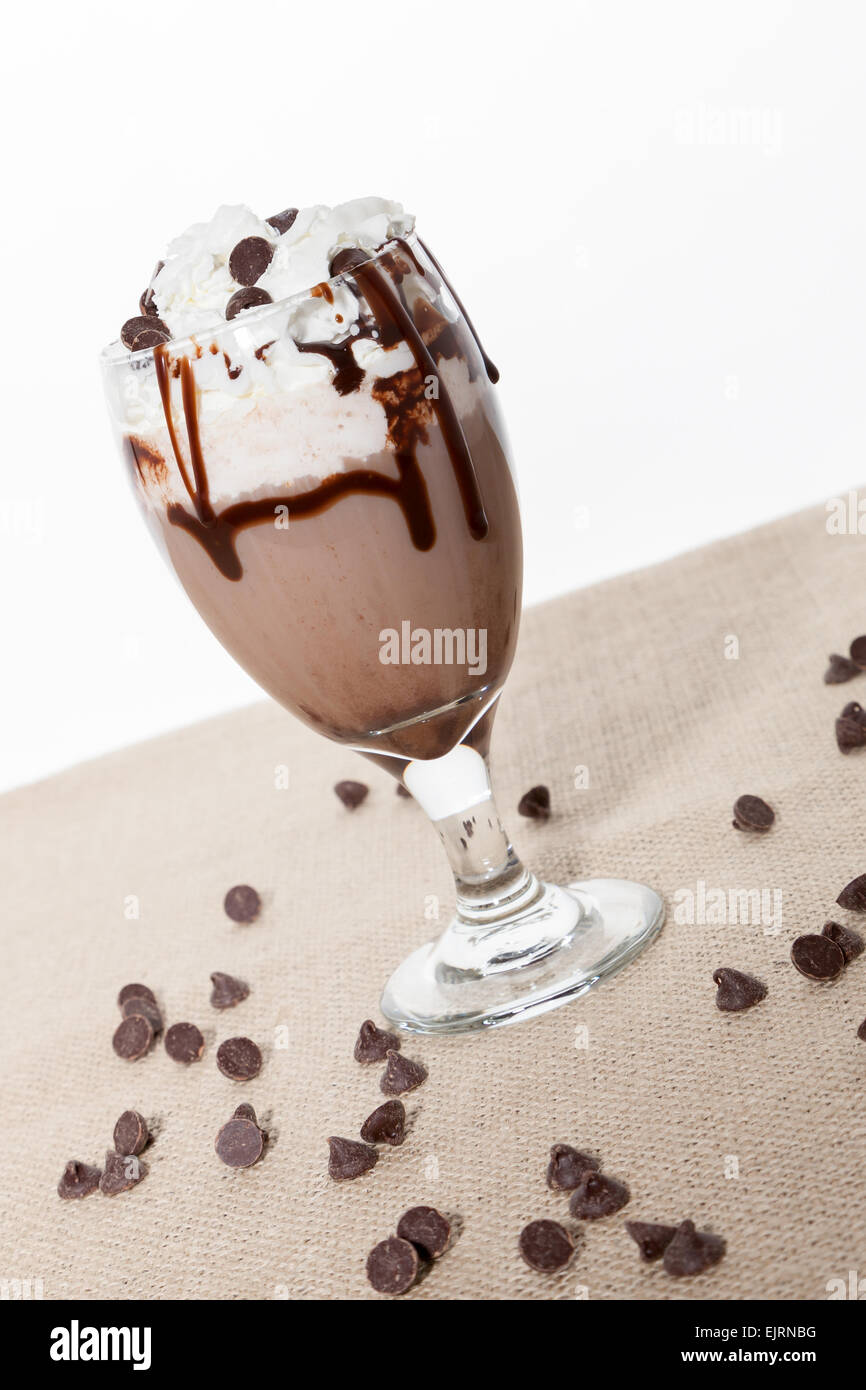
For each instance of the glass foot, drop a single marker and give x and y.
(557, 947)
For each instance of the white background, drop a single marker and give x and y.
(654, 212)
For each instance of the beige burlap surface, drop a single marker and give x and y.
(751, 1124)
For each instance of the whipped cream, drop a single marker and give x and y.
(269, 413)
(195, 284)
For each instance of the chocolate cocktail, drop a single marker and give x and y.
(311, 426)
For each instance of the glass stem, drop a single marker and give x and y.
(491, 882)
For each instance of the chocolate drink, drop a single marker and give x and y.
(301, 566)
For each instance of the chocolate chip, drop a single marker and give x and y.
(239, 1059)
(78, 1180)
(227, 991)
(184, 1042)
(245, 1112)
(736, 990)
(567, 1167)
(348, 1159)
(598, 1196)
(141, 322)
(240, 1143)
(122, 1171)
(351, 793)
(132, 1038)
(146, 1008)
(427, 1229)
(242, 903)
(347, 259)
(691, 1251)
(857, 652)
(849, 942)
(401, 1075)
(651, 1240)
(839, 670)
(855, 711)
(850, 729)
(251, 298)
(130, 1133)
(386, 1125)
(535, 803)
(250, 259)
(861, 1031)
(853, 895)
(392, 1265)
(135, 992)
(149, 338)
(282, 221)
(374, 1044)
(817, 957)
(752, 813)
(546, 1246)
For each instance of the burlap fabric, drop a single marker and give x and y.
(751, 1124)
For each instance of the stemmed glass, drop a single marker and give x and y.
(344, 516)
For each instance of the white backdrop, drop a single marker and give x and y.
(654, 213)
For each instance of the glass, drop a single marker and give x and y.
(344, 516)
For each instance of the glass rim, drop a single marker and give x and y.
(115, 353)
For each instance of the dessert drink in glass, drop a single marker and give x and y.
(311, 426)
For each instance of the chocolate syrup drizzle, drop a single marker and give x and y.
(391, 320)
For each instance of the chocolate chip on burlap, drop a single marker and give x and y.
(839, 670)
(122, 1171)
(373, 1044)
(546, 1246)
(817, 957)
(249, 260)
(227, 990)
(598, 1196)
(535, 804)
(853, 895)
(135, 992)
(386, 1125)
(861, 1031)
(401, 1075)
(240, 1142)
(351, 793)
(392, 1266)
(184, 1042)
(736, 990)
(242, 903)
(427, 1229)
(857, 652)
(567, 1166)
(130, 1133)
(753, 813)
(691, 1252)
(851, 728)
(132, 1038)
(78, 1180)
(253, 297)
(347, 259)
(282, 221)
(348, 1159)
(240, 1059)
(146, 1008)
(849, 942)
(139, 324)
(651, 1240)
(245, 1112)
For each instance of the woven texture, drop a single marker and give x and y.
(750, 1124)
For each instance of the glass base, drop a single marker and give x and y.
(555, 949)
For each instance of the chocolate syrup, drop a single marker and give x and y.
(217, 532)
(491, 370)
